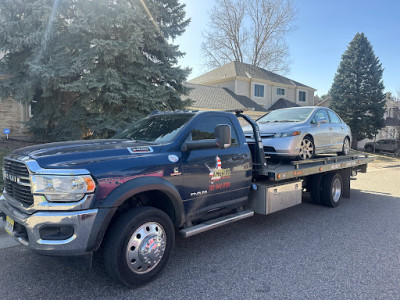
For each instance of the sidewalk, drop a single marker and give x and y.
(6, 241)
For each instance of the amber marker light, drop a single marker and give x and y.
(91, 186)
(296, 133)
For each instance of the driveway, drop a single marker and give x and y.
(304, 252)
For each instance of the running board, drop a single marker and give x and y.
(211, 224)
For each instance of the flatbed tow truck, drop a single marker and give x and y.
(183, 171)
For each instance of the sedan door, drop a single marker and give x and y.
(320, 130)
(338, 130)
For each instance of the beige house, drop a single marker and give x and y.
(12, 116)
(262, 86)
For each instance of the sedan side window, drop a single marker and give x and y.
(320, 116)
(334, 118)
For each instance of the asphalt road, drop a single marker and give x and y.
(304, 252)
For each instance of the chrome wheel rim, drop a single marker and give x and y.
(336, 190)
(306, 149)
(146, 248)
(346, 146)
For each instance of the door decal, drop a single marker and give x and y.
(218, 173)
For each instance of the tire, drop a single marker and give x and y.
(369, 148)
(332, 187)
(345, 147)
(138, 245)
(307, 148)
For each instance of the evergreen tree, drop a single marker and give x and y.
(357, 90)
(91, 67)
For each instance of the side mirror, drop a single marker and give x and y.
(222, 140)
(223, 136)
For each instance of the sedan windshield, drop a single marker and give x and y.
(286, 115)
(156, 129)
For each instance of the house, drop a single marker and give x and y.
(259, 85)
(206, 97)
(392, 121)
(391, 131)
(12, 116)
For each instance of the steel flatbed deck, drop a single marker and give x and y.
(284, 170)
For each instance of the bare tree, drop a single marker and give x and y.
(251, 32)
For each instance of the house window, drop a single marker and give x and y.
(280, 91)
(258, 90)
(31, 108)
(302, 96)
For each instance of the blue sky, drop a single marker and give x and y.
(324, 30)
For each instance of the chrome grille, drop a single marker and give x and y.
(17, 183)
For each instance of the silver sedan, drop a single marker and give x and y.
(302, 132)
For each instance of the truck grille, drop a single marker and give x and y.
(17, 183)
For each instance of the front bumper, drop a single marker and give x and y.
(27, 228)
(286, 146)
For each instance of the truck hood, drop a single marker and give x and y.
(73, 153)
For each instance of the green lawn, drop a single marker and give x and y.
(2, 154)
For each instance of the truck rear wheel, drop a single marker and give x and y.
(138, 245)
(332, 186)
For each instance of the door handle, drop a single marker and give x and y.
(239, 156)
(330, 128)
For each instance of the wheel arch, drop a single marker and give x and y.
(140, 192)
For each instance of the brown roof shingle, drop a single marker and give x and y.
(212, 97)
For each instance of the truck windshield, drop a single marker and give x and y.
(287, 115)
(155, 129)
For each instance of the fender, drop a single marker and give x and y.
(117, 197)
(143, 184)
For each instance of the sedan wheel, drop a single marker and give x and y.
(346, 147)
(307, 149)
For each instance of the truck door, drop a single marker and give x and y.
(215, 178)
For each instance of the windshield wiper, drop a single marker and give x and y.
(285, 121)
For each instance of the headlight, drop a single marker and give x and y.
(62, 188)
(286, 134)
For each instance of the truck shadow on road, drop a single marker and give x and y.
(229, 258)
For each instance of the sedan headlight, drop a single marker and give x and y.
(286, 134)
(62, 188)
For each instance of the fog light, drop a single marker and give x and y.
(56, 233)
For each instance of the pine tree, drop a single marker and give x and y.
(91, 67)
(357, 90)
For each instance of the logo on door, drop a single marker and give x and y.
(217, 173)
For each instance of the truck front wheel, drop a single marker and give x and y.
(332, 186)
(138, 245)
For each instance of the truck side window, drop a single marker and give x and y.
(206, 129)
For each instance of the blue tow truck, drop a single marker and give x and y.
(182, 171)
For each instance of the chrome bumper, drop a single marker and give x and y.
(81, 221)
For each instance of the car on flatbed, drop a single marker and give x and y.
(184, 171)
(302, 132)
